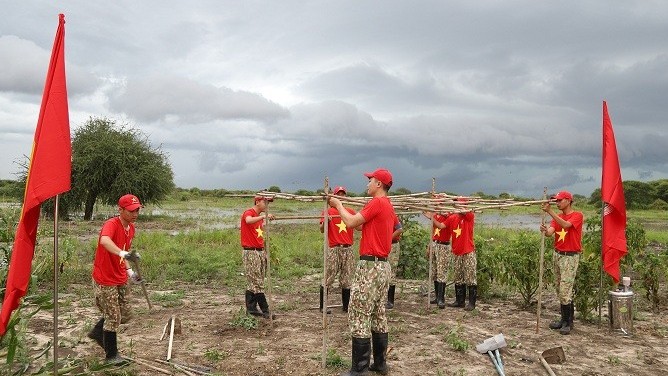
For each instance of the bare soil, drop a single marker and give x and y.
(292, 344)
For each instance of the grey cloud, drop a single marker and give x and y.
(157, 98)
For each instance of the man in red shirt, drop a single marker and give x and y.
(441, 252)
(340, 253)
(465, 261)
(255, 256)
(366, 314)
(111, 270)
(567, 230)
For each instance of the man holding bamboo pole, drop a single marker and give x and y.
(441, 251)
(567, 230)
(255, 256)
(366, 314)
(465, 260)
(340, 252)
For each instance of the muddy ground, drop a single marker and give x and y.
(292, 344)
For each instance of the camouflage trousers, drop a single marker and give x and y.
(465, 269)
(339, 261)
(393, 259)
(440, 261)
(255, 267)
(366, 312)
(114, 303)
(565, 268)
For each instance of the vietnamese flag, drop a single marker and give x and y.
(48, 174)
(613, 242)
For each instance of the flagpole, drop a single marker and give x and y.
(600, 278)
(55, 286)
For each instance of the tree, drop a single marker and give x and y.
(110, 160)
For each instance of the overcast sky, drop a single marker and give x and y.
(492, 96)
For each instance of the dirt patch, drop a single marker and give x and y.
(418, 345)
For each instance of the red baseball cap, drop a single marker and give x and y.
(382, 175)
(129, 202)
(339, 188)
(258, 198)
(563, 195)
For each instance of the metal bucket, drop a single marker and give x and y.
(620, 311)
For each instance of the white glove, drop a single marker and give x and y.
(134, 277)
(124, 254)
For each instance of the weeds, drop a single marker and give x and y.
(455, 341)
(242, 320)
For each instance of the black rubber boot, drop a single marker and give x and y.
(97, 333)
(572, 316)
(440, 295)
(566, 327)
(390, 297)
(345, 299)
(322, 296)
(473, 296)
(435, 300)
(360, 358)
(111, 349)
(555, 325)
(264, 306)
(251, 304)
(379, 343)
(460, 296)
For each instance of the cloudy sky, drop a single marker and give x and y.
(493, 96)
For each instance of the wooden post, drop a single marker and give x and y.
(540, 266)
(431, 225)
(325, 249)
(266, 250)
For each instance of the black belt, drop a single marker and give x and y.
(342, 245)
(567, 253)
(440, 242)
(395, 241)
(373, 258)
(253, 249)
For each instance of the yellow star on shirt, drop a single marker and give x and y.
(260, 233)
(437, 231)
(457, 231)
(562, 235)
(342, 227)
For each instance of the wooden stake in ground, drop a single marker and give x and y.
(430, 252)
(268, 276)
(171, 337)
(325, 249)
(540, 266)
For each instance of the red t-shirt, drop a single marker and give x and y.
(441, 234)
(108, 268)
(337, 231)
(397, 226)
(569, 239)
(462, 234)
(252, 234)
(379, 220)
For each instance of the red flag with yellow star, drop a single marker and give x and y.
(613, 240)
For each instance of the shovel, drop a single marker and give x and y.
(554, 355)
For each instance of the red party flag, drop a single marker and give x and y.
(613, 242)
(49, 174)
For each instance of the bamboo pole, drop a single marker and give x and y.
(540, 267)
(55, 285)
(325, 249)
(431, 250)
(268, 294)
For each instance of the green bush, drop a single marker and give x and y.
(413, 263)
